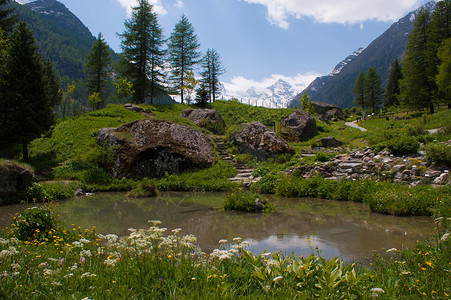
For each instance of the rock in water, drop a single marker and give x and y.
(151, 148)
(302, 124)
(257, 140)
(14, 178)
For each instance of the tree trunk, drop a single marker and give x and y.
(25, 151)
(431, 107)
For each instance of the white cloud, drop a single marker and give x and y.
(178, 3)
(239, 84)
(157, 6)
(333, 11)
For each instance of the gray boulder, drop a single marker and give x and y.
(257, 140)
(206, 118)
(302, 124)
(14, 178)
(329, 142)
(151, 148)
(328, 112)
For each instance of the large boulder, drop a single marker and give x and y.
(328, 112)
(257, 140)
(151, 148)
(206, 118)
(14, 178)
(302, 124)
(329, 142)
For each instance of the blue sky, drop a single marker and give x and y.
(262, 40)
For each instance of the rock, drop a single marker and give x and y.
(135, 108)
(14, 178)
(79, 193)
(398, 168)
(257, 140)
(206, 118)
(328, 112)
(442, 179)
(329, 142)
(302, 124)
(150, 148)
(432, 174)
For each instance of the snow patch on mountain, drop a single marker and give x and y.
(346, 61)
(274, 92)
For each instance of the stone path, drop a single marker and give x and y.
(354, 125)
(243, 174)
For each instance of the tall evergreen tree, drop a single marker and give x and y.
(418, 84)
(142, 53)
(391, 96)
(359, 90)
(7, 17)
(212, 69)
(444, 70)
(183, 53)
(26, 95)
(373, 89)
(98, 69)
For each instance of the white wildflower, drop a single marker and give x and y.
(377, 291)
(69, 275)
(110, 262)
(266, 254)
(77, 244)
(155, 222)
(48, 272)
(223, 241)
(55, 283)
(237, 239)
(277, 279)
(3, 241)
(5, 253)
(86, 253)
(445, 237)
(53, 259)
(15, 266)
(4, 274)
(132, 229)
(43, 265)
(15, 273)
(176, 230)
(14, 241)
(405, 273)
(112, 238)
(85, 241)
(74, 267)
(392, 250)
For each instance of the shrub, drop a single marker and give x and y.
(439, 153)
(87, 172)
(266, 185)
(414, 129)
(403, 145)
(36, 224)
(323, 157)
(145, 189)
(245, 201)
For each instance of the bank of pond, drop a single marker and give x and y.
(308, 248)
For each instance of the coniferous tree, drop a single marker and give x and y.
(26, 97)
(391, 96)
(183, 53)
(444, 70)
(98, 69)
(373, 89)
(7, 17)
(212, 69)
(418, 84)
(359, 90)
(142, 56)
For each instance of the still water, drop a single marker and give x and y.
(299, 226)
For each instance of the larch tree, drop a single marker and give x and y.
(373, 89)
(183, 53)
(418, 85)
(391, 96)
(142, 58)
(8, 18)
(443, 77)
(211, 70)
(359, 90)
(27, 92)
(98, 70)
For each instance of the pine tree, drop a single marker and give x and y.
(444, 70)
(98, 69)
(373, 89)
(418, 84)
(142, 54)
(26, 96)
(183, 53)
(8, 18)
(391, 96)
(212, 69)
(359, 90)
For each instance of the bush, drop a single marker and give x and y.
(36, 224)
(403, 145)
(245, 201)
(145, 189)
(87, 172)
(439, 153)
(323, 157)
(266, 185)
(414, 129)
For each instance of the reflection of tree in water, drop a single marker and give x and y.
(349, 228)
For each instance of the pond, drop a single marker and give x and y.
(300, 225)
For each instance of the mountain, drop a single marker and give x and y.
(275, 95)
(336, 88)
(61, 36)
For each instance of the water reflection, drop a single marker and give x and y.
(344, 229)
